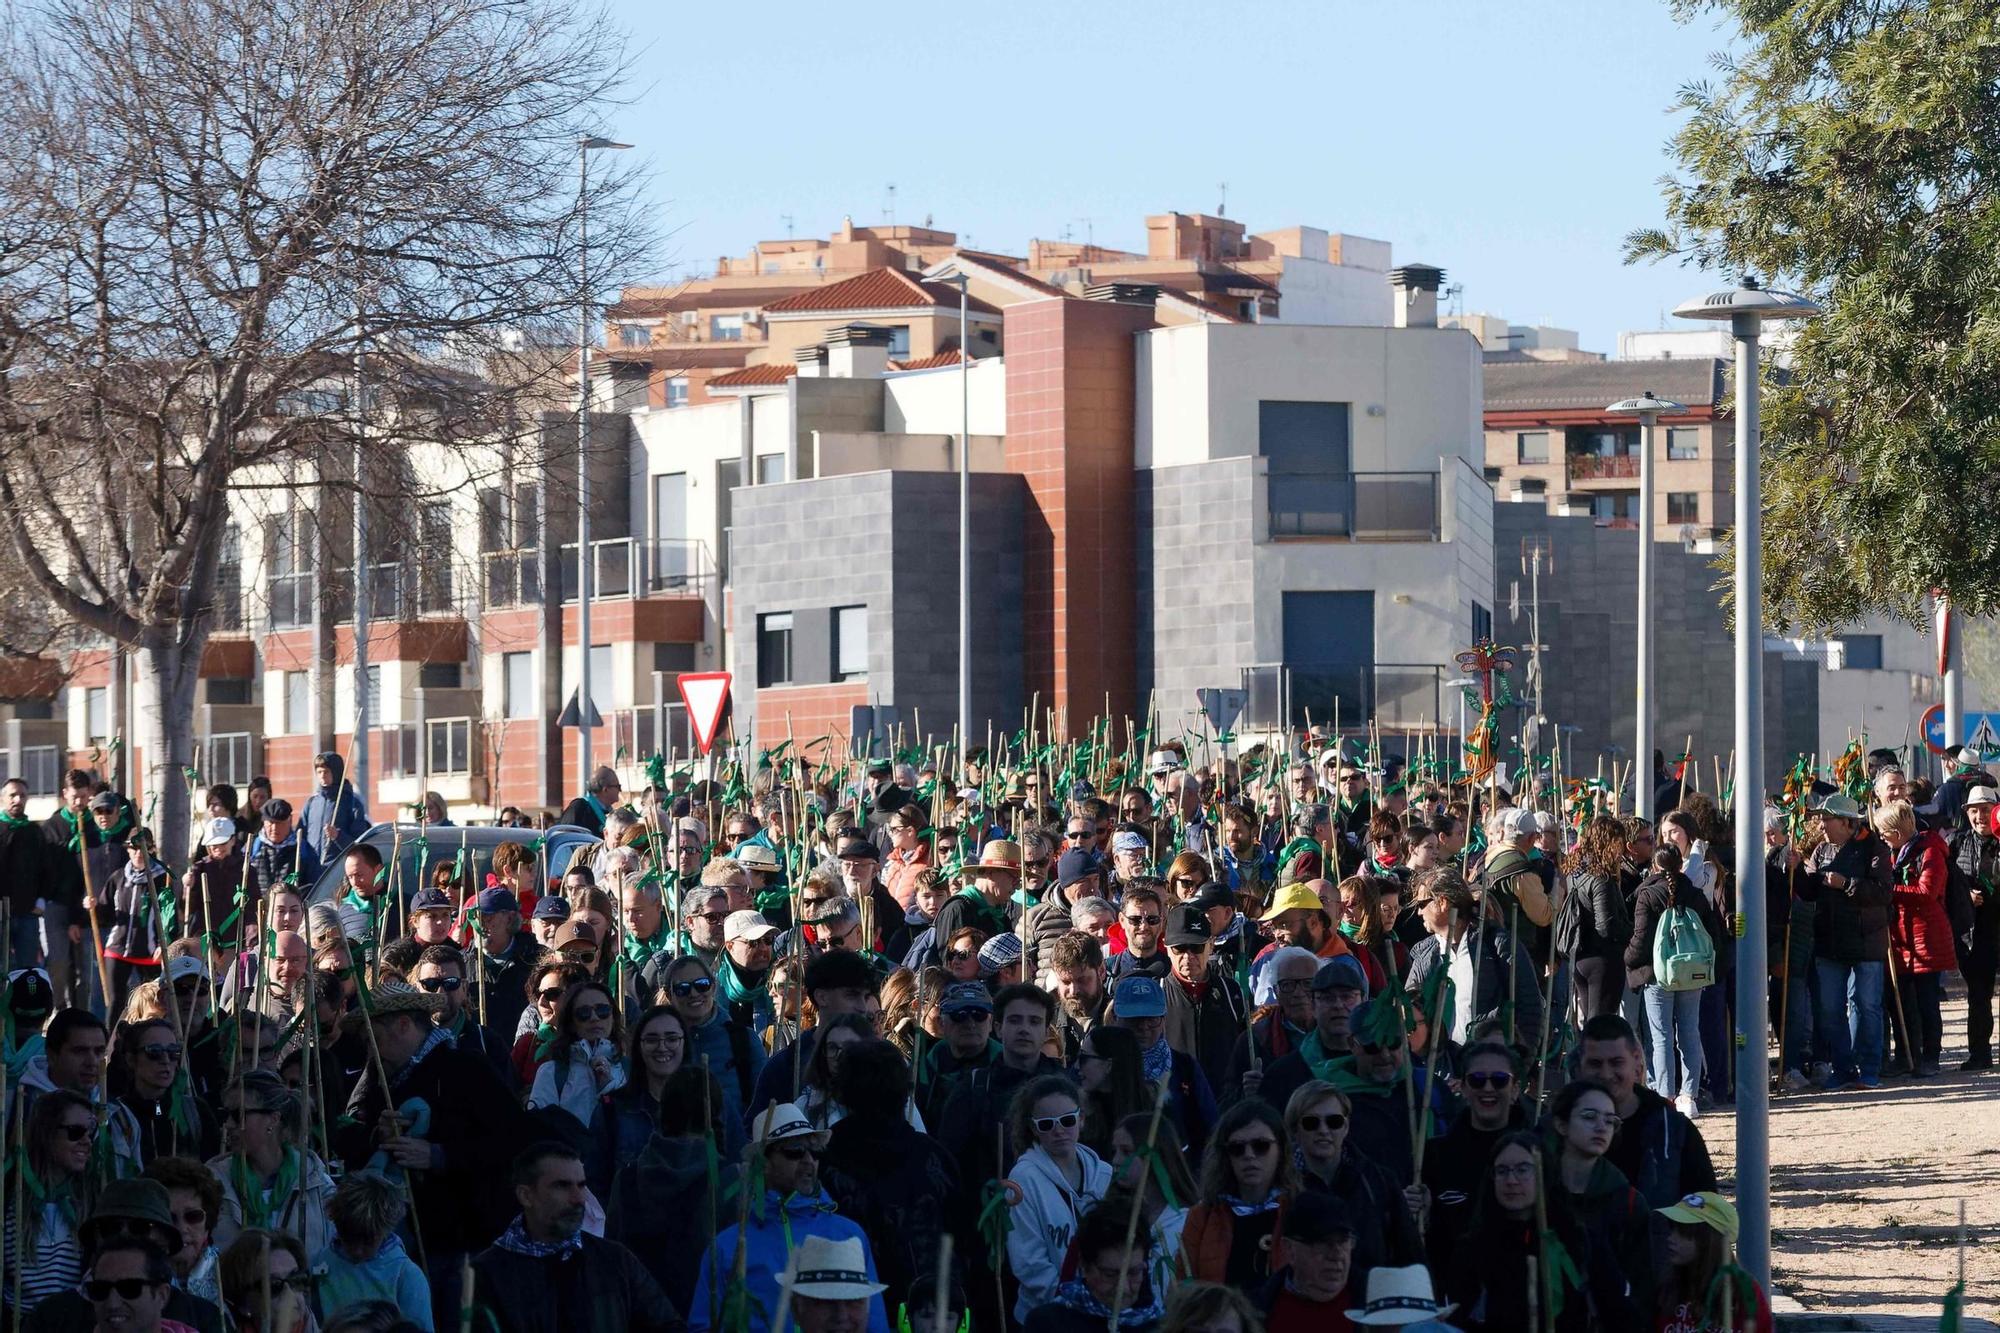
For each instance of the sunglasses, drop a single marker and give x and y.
(193, 1217)
(1148, 919)
(1250, 1147)
(550, 996)
(1376, 1048)
(590, 1011)
(128, 1288)
(1312, 1124)
(1076, 834)
(1046, 1123)
(795, 1154)
(159, 1052)
(693, 986)
(968, 1015)
(713, 918)
(78, 1133)
(962, 955)
(1483, 1079)
(445, 984)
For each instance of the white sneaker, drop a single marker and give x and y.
(1685, 1105)
(1795, 1081)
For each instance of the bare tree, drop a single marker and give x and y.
(208, 208)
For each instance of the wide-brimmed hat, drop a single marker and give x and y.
(1981, 795)
(392, 995)
(780, 1122)
(137, 1200)
(1162, 762)
(1840, 806)
(1291, 896)
(999, 854)
(756, 856)
(831, 1270)
(1400, 1296)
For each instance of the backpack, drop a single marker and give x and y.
(1683, 954)
(1566, 931)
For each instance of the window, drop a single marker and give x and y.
(1683, 507)
(1532, 446)
(725, 328)
(1617, 509)
(899, 341)
(518, 684)
(97, 713)
(850, 642)
(1683, 442)
(1860, 652)
(677, 391)
(770, 469)
(990, 336)
(634, 335)
(527, 525)
(1482, 623)
(774, 649)
(492, 519)
(229, 689)
(229, 581)
(451, 744)
(229, 759)
(374, 695)
(1605, 443)
(440, 675)
(298, 702)
(40, 769)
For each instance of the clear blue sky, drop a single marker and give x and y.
(1512, 144)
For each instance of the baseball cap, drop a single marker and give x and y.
(180, 969)
(1340, 972)
(1076, 865)
(1520, 823)
(1187, 926)
(1706, 1208)
(550, 907)
(1314, 1218)
(497, 899)
(1128, 842)
(220, 830)
(965, 995)
(854, 847)
(104, 800)
(1545, 822)
(1138, 997)
(881, 767)
(746, 925)
(431, 898)
(277, 808)
(575, 932)
(1211, 896)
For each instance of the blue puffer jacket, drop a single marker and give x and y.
(787, 1221)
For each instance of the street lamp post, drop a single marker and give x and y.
(1746, 309)
(585, 146)
(1649, 410)
(963, 283)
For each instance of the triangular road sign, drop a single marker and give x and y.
(1984, 740)
(706, 694)
(570, 718)
(1222, 706)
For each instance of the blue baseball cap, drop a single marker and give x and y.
(1341, 972)
(1139, 997)
(498, 900)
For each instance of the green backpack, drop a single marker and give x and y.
(1683, 954)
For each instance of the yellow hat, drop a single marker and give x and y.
(1705, 1209)
(1291, 896)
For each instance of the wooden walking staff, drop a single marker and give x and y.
(1132, 1222)
(90, 911)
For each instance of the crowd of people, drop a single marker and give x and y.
(1272, 1043)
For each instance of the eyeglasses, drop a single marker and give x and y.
(795, 1153)
(1498, 1078)
(553, 995)
(713, 918)
(693, 986)
(1250, 1147)
(1183, 879)
(1605, 1118)
(155, 1051)
(78, 1133)
(815, 902)
(1045, 1124)
(968, 1015)
(128, 1288)
(1295, 985)
(445, 984)
(1076, 834)
(1034, 863)
(654, 1041)
(1144, 919)
(590, 1011)
(1520, 1171)
(1312, 1124)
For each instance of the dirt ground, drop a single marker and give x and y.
(1865, 1188)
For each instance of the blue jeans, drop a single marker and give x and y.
(25, 941)
(1675, 1020)
(1801, 1033)
(1847, 1012)
(1717, 1066)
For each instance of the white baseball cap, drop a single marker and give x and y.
(746, 925)
(1521, 822)
(220, 830)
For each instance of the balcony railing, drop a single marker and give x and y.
(1354, 506)
(626, 567)
(1390, 694)
(400, 592)
(1590, 467)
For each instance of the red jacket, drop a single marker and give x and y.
(1920, 932)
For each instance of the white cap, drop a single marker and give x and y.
(1981, 795)
(183, 967)
(1521, 822)
(746, 925)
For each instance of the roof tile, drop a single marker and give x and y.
(773, 372)
(877, 289)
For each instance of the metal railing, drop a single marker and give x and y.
(1353, 506)
(625, 567)
(1589, 467)
(1389, 694)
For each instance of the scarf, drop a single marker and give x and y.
(735, 990)
(433, 1039)
(260, 1208)
(1156, 1061)
(16, 821)
(1238, 1208)
(638, 952)
(1073, 1295)
(516, 1240)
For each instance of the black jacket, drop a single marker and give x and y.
(475, 1127)
(901, 1187)
(971, 1106)
(601, 1288)
(659, 1209)
(583, 814)
(1656, 893)
(1604, 926)
(1455, 1167)
(507, 994)
(1661, 1152)
(1385, 1233)
(27, 866)
(1851, 923)
(1207, 1028)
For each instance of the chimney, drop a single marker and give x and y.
(811, 362)
(1124, 293)
(857, 352)
(1416, 295)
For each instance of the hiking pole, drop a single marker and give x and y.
(1138, 1197)
(90, 911)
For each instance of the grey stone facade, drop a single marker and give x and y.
(1194, 543)
(889, 541)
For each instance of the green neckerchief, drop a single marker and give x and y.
(64, 1199)
(734, 989)
(261, 1209)
(68, 817)
(1339, 1070)
(639, 952)
(1313, 1052)
(1296, 847)
(16, 821)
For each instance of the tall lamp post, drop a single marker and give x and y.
(963, 283)
(1746, 309)
(1649, 410)
(585, 146)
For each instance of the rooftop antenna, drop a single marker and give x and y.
(1067, 232)
(892, 203)
(1222, 208)
(786, 218)
(1455, 294)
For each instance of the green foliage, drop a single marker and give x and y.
(1851, 150)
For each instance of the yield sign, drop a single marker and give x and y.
(1222, 706)
(706, 694)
